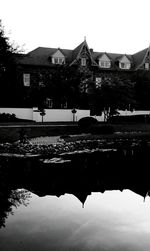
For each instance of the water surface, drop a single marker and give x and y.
(113, 220)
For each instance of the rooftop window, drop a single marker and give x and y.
(83, 61)
(104, 64)
(124, 65)
(147, 66)
(58, 60)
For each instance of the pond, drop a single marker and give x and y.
(86, 205)
(111, 221)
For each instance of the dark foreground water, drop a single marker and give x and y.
(73, 207)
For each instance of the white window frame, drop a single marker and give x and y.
(123, 65)
(26, 79)
(49, 102)
(104, 64)
(146, 66)
(83, 61)
(56, 60)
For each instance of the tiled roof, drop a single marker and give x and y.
(41, 56)
(77, 50)
(139, 57)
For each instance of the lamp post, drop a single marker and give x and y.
(74, 112)
(42, 113)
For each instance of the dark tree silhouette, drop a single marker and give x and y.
(114, 93)
(143, 89)
(7, 70)
(10, 199)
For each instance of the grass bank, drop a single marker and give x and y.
(10, 132)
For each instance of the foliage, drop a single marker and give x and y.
(6, 117)
(143, 89)
(114, 93)
(7, 70)
(102, 129)
(60, 84)
(86, 122)
(10, 199)
(142, 118)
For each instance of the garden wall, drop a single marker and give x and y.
(52, 115)
(62, 115)
(59, 115)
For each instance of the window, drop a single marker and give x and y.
(104, 64)
(98, 82)
(64, 105)
(147, 66)
(26, 79)
(83, 61)
(123, 65)
(49, 102)
(58, 60)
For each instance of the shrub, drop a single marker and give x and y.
(102, 129)
(141, 118)
(6, 117)
(86, 122)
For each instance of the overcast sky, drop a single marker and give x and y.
(119, 26)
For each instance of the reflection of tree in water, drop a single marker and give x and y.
(10, 199)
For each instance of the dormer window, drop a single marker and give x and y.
(147, 66)
(124, 63)
(104, 64)
(104, 61)
(83, 61)
(58, 58)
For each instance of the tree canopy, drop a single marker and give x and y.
(114, 93)
(143, 89)
(7, 69)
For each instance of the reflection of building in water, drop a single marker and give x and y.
(82, 196)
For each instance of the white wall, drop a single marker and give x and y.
(57, 115)
(52, 115)
(129, 113)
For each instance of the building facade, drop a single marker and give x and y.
(63, 78)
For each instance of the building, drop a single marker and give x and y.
(47, 76)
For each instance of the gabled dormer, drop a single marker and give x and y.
(82, 55)
(104, 61)
(58, 57)
(124, 63)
